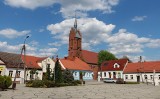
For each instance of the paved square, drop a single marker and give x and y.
(92, 90)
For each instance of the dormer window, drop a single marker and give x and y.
(116, 65)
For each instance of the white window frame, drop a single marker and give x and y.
(145, 77)
(126, 76)
(131, 76)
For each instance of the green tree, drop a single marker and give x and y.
(68, 76)
(104, 55)
(58, 73)
(48, 72)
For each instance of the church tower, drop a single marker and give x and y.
(75, 40)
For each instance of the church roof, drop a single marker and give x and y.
(76, 64)
(90, 57)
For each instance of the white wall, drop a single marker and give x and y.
(2, 69)
(35, 76)
(87, 75)
(107, 74)
(44, 63)
(19, 79)
(157, 75)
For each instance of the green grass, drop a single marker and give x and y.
(131, 82)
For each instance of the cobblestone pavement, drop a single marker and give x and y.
(92, 90)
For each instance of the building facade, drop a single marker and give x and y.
(112, 69)
(35, 67)
(77, 66)
(143, 72)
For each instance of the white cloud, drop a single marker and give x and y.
(48, 51)
(139, 18)
(153, 43)
(126, 43)
(93, 31)
(83, 6)
(30, 50)
(29, 4)
(41, 30)
(54, 44)
(11, 33)
(68, 7)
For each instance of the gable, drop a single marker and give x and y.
(114, 65)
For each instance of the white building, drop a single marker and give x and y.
(112, 69)
(77, 66)
(35, 67)
(142, 72)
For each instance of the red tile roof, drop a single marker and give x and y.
(142, 67)
(76, 64)
(90, 57)
(32, 61)
(109, 65)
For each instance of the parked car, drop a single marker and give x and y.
(109, 80)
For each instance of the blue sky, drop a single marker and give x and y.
(123, 27)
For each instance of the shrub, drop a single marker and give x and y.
(8, 81)
(68, 76)
(77, 82)
(38, 83)
(2, 82)
(29, 83)
(49, 83)
(5, 82)
(62, 84)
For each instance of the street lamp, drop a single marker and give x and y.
(20, 57)
(24, 48)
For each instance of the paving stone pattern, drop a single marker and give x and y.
(92, 90)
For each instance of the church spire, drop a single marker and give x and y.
(75, 22)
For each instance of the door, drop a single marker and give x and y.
(138, 79)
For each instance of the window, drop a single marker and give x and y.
(48, 65)
(116, 65)
(126, 76)
(18, 74)
(104, 74)
(131, 76)
(145, 76)
(151, 76)
(10, 73)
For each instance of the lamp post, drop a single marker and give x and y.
(24, 48)
(20, 57)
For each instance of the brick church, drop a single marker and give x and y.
(75, 51)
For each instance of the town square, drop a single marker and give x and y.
(79, 49)
(92, 90)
